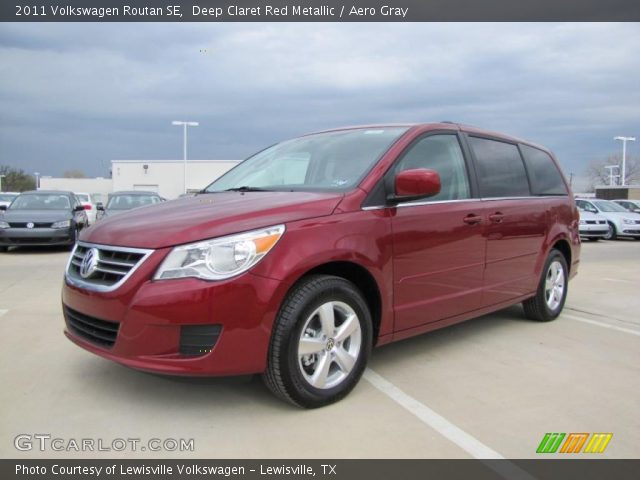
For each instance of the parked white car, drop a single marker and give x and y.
(630, 205)
(89, 207)
(7, 197)
(622, 223)
(593, 225)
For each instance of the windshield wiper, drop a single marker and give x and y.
(246, 188)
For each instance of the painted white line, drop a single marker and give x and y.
(444, 427)
(2, 312)
(469, 444)
(619, 280)
(602, 324)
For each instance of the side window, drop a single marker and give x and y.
(500, 169)
(586, 206)
(443, 154)
(546, 179)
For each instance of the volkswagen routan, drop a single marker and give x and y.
(305, 256)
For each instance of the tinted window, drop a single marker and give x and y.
(443, 154)
(500, 169)
(545, 177)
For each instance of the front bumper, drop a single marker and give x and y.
(150, 315)
(594, 230)
(35, 236)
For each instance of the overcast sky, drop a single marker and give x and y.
(75, 96)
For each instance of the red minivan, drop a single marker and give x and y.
(302, 258)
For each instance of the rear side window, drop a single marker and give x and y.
(500, 169)
(546, 179)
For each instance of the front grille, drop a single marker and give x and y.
(114, 265)
(94, 330)
(198, 339)
(35, 224)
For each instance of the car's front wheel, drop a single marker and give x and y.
(611, 233)
(320, 343)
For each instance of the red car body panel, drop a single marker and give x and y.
(430, 264)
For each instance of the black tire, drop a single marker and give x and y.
(3, 249)
(73, 239)
(612, 234)
(593, 239)
(286, 370)
(537, 307)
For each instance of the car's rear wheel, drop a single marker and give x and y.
(611, 233)
(320, 343)
(549, 300)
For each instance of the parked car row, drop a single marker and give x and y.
(54, 217)
(608, 220)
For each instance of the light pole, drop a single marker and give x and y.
(1, 177)
(37, 174)
(184, 146)
(624, 155)
(611, 175)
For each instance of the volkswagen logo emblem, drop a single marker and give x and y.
(30, 225)
(89, 263)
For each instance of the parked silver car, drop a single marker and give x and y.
(593, 225)
(630, 205)
(622, 223)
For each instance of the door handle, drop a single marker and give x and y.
(472, 219)
(496, 217)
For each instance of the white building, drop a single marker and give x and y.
(166, 176)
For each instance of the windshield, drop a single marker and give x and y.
(330, 161)
(41, 202)
(606, 206)
(6, 198)
(83, 198)
(127, 202)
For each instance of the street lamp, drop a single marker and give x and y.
(624, 154)
(1, 177)
(37, 174)
(611, 175)
(184, 146)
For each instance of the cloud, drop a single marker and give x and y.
(79, 95)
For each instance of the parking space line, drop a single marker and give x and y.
(620, 280)
(444, 427)
(602, 324)
(2, 312)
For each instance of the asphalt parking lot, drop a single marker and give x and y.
(494, 385)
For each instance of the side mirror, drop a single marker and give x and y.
(100, 206)
(78, 208)
(414, 184)
(3, 208)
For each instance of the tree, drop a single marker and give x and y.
(599, 175)
(16, 180)
(74, 174)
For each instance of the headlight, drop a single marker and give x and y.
(628, 221)
(61, 224)
(219, 258)
(583, 222)
(4, 225)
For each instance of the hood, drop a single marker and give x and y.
(584, 215)
(36, 215)
(620, 215)
(206, 216)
